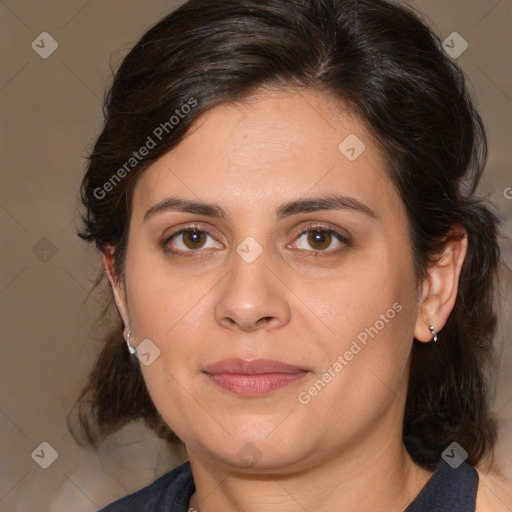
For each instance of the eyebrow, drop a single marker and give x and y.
(316, 204)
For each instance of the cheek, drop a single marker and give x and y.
(371, 313)
(160, 300)
(166, 309)
(370, 296)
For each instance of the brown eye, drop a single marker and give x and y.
(189, 240)
(319, 239)
(193, 239)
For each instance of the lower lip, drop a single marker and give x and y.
(254, 384)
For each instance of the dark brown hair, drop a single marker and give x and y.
(382, 61)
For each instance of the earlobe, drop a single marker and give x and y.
(117, 285)
(439, 289)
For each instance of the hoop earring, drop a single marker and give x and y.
(133, 350)
(434, 333)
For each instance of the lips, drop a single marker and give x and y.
(253, 378)
(256, 366)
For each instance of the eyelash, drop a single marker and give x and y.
(312, 227)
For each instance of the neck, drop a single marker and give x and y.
(381, 478)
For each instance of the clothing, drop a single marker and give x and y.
(170, 493)
(448, 490)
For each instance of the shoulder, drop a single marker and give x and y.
(495, 489)
(171, 491)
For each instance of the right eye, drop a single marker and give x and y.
(189, 239)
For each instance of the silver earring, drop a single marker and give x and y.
(132, 350)
(434, 333)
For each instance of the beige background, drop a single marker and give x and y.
(50, 113)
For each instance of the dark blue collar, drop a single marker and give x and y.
(448, 490)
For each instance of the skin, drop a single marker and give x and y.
(293, 303)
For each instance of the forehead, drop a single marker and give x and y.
(275, 146)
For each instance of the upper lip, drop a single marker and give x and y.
(256, 366)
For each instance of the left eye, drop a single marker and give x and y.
(321, 239)
(191, 239)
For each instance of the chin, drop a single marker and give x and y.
(254, 449)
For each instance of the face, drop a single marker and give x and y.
(324, 290)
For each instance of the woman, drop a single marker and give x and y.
(283, 194)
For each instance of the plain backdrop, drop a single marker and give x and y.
(50, 114)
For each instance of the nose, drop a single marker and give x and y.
(252, 298)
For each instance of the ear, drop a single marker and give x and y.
(439, 289)
(118, 288)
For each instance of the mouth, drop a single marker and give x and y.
(253, 378)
